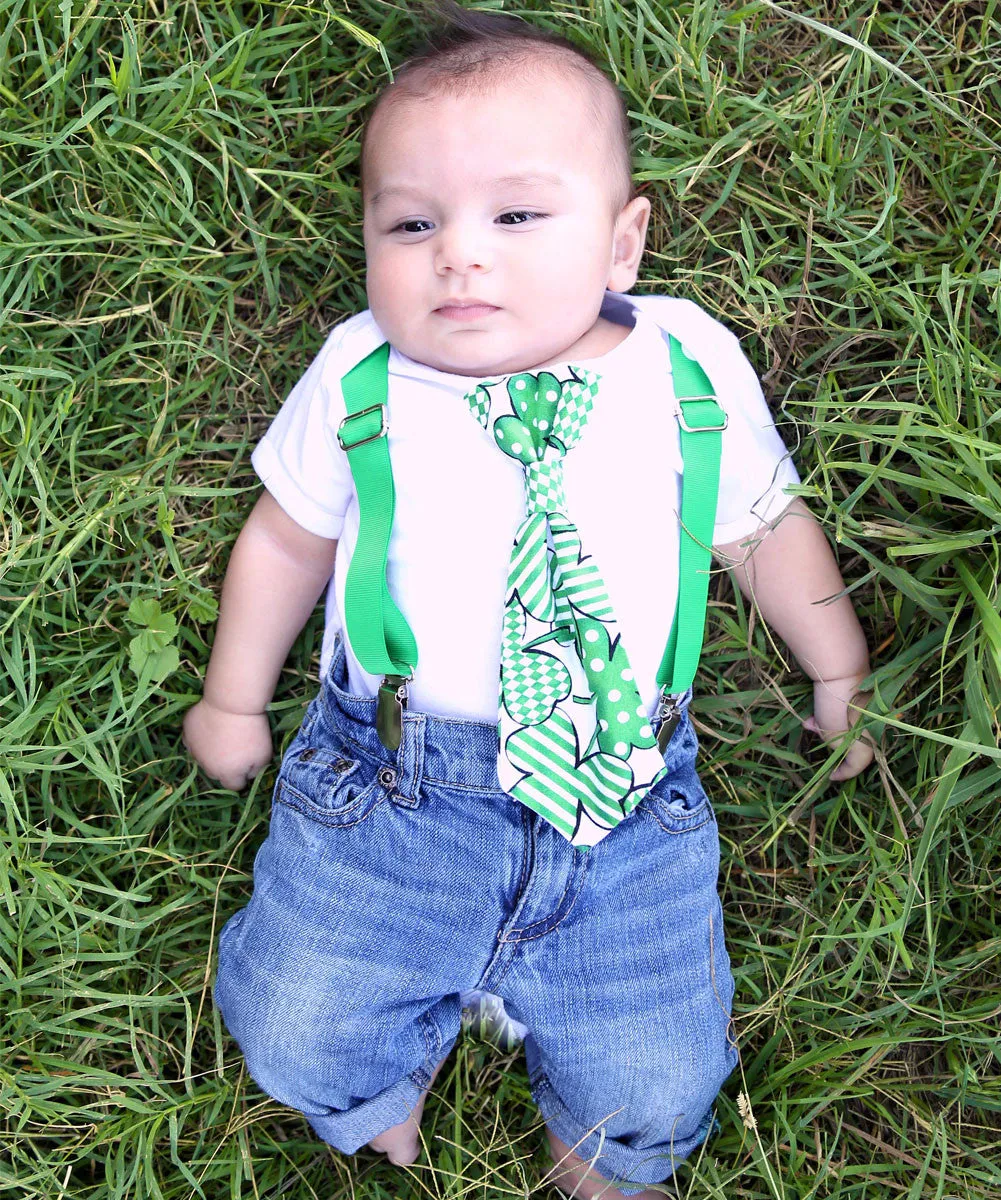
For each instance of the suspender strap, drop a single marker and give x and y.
(702, 422)
(380, 636)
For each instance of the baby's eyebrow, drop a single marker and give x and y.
(528, 180)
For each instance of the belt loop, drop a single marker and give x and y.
(410, 756)
(338, 665)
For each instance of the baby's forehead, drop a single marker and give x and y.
(561, 104)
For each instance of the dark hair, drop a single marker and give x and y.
(464, 44)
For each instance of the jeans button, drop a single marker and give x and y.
(342, 765)
(387, 777)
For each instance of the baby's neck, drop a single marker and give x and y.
(604, 335)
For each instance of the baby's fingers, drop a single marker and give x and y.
(235, 779)
(860, 755)
(230, 747)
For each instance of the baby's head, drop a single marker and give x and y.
(496, 169)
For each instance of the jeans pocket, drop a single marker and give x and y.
(330, 787)
(679, 806)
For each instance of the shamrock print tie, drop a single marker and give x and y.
(576, 744)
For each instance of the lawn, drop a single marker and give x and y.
(179, 228)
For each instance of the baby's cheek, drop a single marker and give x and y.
(389, 298)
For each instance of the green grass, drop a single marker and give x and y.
(178, 229)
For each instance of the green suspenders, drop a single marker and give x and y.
(379, 634)
(701, 421)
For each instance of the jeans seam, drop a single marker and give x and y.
(525, 936)
(492, 985)
(308, 809)
(706, 818)
(730, 1027)
(450, 785)
(428, 1024)
(411, 757)
(420, 776)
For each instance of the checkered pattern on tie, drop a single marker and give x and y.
(531, 684)
(479, 402)
(544, 483)
(575, 405)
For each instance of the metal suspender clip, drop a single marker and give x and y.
(717, 428)
(391, 702)
(670, 714)
(363, 412)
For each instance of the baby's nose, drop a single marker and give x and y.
(461, 248)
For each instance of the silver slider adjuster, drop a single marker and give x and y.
(689, 428)
(363, 412)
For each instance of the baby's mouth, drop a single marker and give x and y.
(466, 311)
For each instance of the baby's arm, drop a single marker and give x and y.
(786, 570)
(275, 576)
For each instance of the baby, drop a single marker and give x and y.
(570, 865)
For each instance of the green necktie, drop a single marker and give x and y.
(576, 745)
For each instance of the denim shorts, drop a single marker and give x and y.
(391, 883)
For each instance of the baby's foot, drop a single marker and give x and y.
(400, 1143)
(572, 1176)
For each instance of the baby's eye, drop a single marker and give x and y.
(406, 226)
(520, 216)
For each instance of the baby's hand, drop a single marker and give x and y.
(230, 747)
(836, 708)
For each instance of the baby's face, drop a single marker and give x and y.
(505, 198)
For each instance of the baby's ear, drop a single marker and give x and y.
(628, 242)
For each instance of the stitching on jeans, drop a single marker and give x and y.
(287, 795)
(562, 1110)
(366, 753)
(464, 787)
(733, 1047)
(422, 1075)
(650, 811)
(524, 936)
(421, 732)
(308, 723)
(346, 737)
(411, 755)
(527, 858)
(436, 1042)
(490, 985)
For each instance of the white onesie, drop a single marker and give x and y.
(459, 500)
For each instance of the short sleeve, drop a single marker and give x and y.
(298, 460)
(756, 468)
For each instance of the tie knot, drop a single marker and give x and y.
(546, 415)
(544, 483)
(530, 435)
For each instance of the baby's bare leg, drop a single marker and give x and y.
(573, 1177)
(400, 1143)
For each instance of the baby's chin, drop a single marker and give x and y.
(472, 356)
